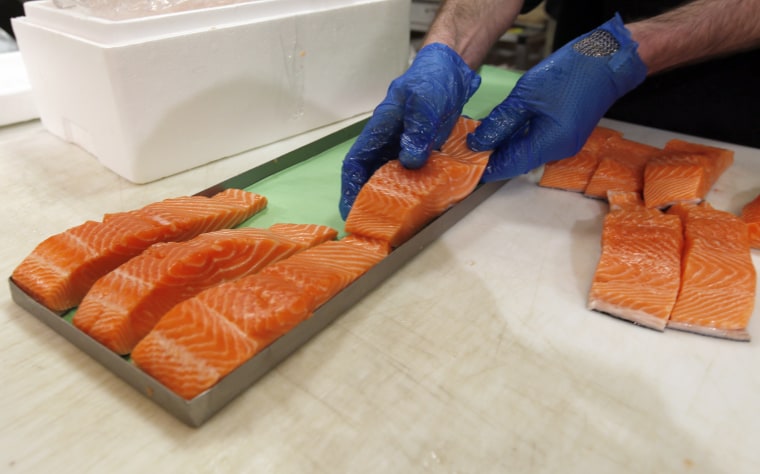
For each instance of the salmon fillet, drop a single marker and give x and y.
(574, 173)
(751, 216)
(638, 274)
(620, 168)
(683, 173)
(204, 338)
(62, 268)
(717, 294)
(397, 202)
(674, 177)
(719, 159)
(125, 304)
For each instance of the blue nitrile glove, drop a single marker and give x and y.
(556, 104)
(416, 116)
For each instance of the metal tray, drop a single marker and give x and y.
(196, 411)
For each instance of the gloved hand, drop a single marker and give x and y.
(416, 116)
(556, 104)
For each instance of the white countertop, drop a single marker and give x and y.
(477, 356)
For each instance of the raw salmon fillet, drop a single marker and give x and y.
(751, 216)
(125, 304)
(62, 268)
(204, 338)
(684, 173)
(674, 177)
(620, 168)
(717, 294)
(397, 202)
(574, 173)
(638, 274)
(720, 159)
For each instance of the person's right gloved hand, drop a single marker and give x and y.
(417, 115)
(555, 105)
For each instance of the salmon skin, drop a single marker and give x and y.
(574, 173)
(717, 294)
(63, 267)
(125, 304)
(684, 173)
(397, 202)
(751, 216)
(638, 274)
(205, 337)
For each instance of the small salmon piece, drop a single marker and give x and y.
(397, 202)
(570, 174)
(683, 173)
(204, 338)
(600, 139)
(62, 268)
(125, 304)
(675, 177)
(624, 200)
(638, 274)
(621, 168)
(574, 173)
(719, 159)
(751, 216)
(717, 294)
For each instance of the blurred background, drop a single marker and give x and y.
(9, 9)
(523, 46)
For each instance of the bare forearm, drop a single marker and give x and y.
(471, 27)
(697, 31)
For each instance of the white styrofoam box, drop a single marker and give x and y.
(154, 96)
(16, 101)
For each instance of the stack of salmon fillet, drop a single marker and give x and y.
(190, 296)
(669, 259)
(680, 172)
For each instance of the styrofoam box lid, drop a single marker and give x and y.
(119, 32)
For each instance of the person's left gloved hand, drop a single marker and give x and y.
(417, 115)
(555, 105)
